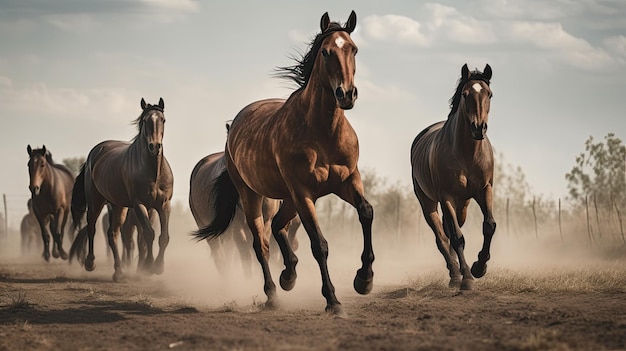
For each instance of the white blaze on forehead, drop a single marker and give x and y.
(339, 41)
(477, 87)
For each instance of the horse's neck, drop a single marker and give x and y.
(459, 136)
(139, 155)
(319, 108)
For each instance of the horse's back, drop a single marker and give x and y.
(422, 156)
(202, 180)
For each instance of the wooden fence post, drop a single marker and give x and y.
(619, 217)
(535, 217)
(588, 224)
(560, 227)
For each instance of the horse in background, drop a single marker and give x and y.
(298, 150)
(51, 194)
(201, 185)
(125, 174)
(30, 232)
(452, 162)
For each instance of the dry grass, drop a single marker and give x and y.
(19, 301)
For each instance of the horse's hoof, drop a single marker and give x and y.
(336, 311)
(158, 268)
(467, 284)
(118, 276)
(287, 283)
(272, 304)
(90, 265)
(479, 269)
(64, 255)
(455, 283)
(55, 253)
(46, 257)
(363, 286)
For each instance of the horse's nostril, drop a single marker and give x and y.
(339, 94)
(355, 93)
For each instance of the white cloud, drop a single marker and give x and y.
(71, 22)
(394, 28)
(448, 22)
(553, 38)
(616, 44)
(62, 103)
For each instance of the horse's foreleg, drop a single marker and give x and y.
(45, 237)
(117, 216)
(164, 237)
(485, 201)
(319, 247)
(453, 230)
(148, 237)
(352, 192)
(285, 214)
(58, 226)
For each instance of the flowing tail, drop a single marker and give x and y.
(79, 200)
(78, 208)
(224, 197)
(79, 246)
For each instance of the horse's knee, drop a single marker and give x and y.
(489, 227)
(366, 212)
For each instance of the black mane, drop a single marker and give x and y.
(301, 71)
(456, 98)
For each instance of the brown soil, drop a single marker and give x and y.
(57, 306)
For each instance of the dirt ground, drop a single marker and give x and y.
(523, 303)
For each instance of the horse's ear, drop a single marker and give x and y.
(324, 22)
(487, 72)
(227, 128)
(29, 149)
(465, 73)
(143, 104)
(43, 149)
(161, 103)
(351, 24)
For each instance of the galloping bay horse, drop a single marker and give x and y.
(51, 195)
(452, 163)
(203, 178)
(299, 150)
(127, 175)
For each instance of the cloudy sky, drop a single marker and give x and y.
(72, 73)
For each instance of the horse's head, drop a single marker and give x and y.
(37, 165)
(151, 125)
(475, 99)
(335, 61)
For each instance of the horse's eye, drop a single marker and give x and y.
(325, 53)
(465, 93)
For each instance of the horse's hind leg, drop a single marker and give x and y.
(59, 228)
(429, 208)
(485, 201)
(285, 214)
(453, 230)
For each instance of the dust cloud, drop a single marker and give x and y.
(191, 275)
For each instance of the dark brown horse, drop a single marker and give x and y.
(299, 150)
(202, 182)
(51, 194)
(452, 163)
(30, 232)
(127, 175)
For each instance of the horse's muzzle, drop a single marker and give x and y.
(346, 98)
(34, 190)
(479, 131)
(155, 148)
